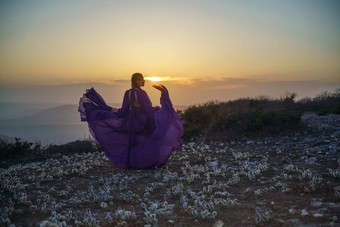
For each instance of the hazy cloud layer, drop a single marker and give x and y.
(194, 92)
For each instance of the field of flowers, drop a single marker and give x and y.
(287, 180)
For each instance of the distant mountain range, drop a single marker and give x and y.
(65, 114)
(59, 115)
(59, 124)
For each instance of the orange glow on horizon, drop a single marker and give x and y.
(179, 41)
(154, 78)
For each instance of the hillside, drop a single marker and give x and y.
(65, 114)
(287, 180)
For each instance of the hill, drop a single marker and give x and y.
(65, 114)
(289, 180)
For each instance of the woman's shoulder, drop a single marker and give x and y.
(137, 90)
(143, 93)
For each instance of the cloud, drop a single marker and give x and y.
(182, 92)
(225, 87)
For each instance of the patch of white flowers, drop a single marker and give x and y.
(69, 191)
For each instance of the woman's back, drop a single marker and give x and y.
(137, 135)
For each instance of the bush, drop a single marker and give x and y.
(18, 149)
(325, 103)
(197, 119)
(78, 146)
(260, 115)
(23, 151)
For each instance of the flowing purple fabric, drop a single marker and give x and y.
(139, 135)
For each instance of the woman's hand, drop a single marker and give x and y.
(159, 87)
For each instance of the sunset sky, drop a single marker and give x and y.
(184, 42)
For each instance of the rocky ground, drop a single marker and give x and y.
(291, 180)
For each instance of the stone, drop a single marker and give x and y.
(337, 188)
(294, 220)
(260, 203)
(103, 205)
(224, 166)
(286, 160)
(336, 134)
(304, 212)
(219, 223)
(308, 225)
(212, 164)
(317, 204)
(281, 221)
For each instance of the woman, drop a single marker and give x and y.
(137, 135)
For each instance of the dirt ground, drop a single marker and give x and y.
(291, 180)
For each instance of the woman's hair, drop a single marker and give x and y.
(134, 79)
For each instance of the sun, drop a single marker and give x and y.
(154, 78)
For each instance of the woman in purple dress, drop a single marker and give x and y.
(137, 135)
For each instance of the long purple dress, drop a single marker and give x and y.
(139, 135)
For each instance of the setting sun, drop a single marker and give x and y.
(154, 78)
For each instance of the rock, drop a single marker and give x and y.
(337, 188)
(212, 164)
(224, 166)
(103, 205)
(286, 160)
(219, 223)
(281, 221)
(294, 221)
(317, 215)
(46, 223)
(308, 225)
(260, 203)
(242, 196)
(292, 211)
(336, 134)
(312, 160)
(316, 204)
(304, 212)
(331, 204)
(309, 160)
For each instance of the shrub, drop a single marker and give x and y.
(259, 115)
(325, 103)
(18, 149)
(78, 146)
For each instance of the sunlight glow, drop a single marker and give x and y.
(177, 41)
(154, 78)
